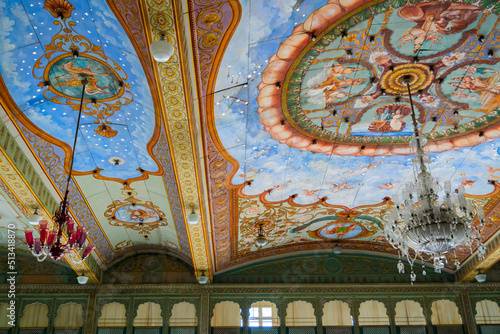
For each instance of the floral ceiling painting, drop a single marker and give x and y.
(43, 64)
(124, 191)
(312, 112)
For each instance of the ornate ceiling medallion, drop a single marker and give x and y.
(72, 57)
(342, 226)
(136, 215)
(317, 91)
(420, 77)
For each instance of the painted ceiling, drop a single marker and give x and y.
(312, 118)
(290, 113)
(123, 191)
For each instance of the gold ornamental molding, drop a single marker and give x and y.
(162, 18)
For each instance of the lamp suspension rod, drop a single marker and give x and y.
(420, 151)
(84, 83)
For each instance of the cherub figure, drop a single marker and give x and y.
(435, 19)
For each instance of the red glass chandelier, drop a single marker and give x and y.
(51, 243)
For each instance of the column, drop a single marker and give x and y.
(130, 316)
(318, 312)
(244, 314)
(468, 318)
(426, 305)
(52, 315)
(282, 315)
(355, 315)
(391, 312)
(205, 313)
(92, 314)
(166, 318)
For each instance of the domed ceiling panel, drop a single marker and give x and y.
(310, 118)
(124, 189)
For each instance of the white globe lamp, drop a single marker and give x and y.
(34, 218)
(82, 279)
(193, 218)
(202, 279)
(481, 278)
(161, 50)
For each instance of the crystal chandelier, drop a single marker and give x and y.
(425, 224)
(50, 242)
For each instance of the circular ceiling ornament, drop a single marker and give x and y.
(419, 77)
(65, 72)
(143, 217)
(116, 161)
(318, 91)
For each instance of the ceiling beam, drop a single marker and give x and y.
(163, 18)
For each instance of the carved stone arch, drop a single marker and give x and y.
(477, 298)
(60, 302)
(103, 302)
(409, 321)
(143, 300)
(432, 298)
(253, 299)
(383, 299)
(58, 305)
(477, 311)
(310, 301)
(273, 300)
(49, 305)
(214, 301)
(457, 304)
(149, 268)
(239, 301)
(339, 317)
(379, 300)
(171, 304)
(26, 302)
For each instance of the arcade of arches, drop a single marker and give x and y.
(263, 309)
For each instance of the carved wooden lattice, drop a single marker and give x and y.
(264, 330)
(457, 329)
(147, 330)
(337, 330)
(301, 330)
(375, 330)
(225, 330)
(111, 330)
(5, 331)
(67, 331)
(412, 330)
(182, 330)
(32, 331)
(489, 329)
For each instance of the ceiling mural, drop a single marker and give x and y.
(125, 192)
(118, 117)
(310, 111)
(289, 116)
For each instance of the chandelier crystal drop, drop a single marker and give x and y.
(423, 223)
(51, 242)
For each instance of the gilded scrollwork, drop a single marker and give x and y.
(136, 215)
(71, 57)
